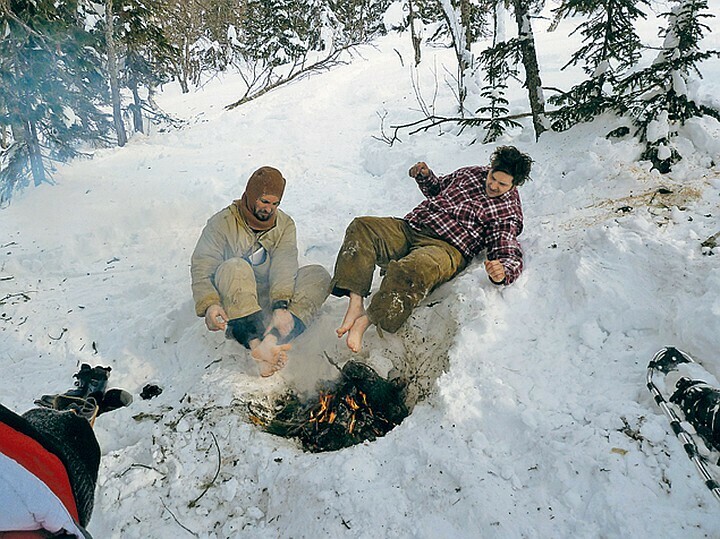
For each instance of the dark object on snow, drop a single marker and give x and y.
(700, 402)
(90, 382)
(113, 399)
(89, 398)
(362, 406)
(150, 391)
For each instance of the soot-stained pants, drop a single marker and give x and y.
(244, 289)
(414, 264)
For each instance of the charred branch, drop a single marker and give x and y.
(361, 406)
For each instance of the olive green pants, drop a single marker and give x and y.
(414, 264)
(243, 292)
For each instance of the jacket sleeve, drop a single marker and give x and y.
(284, 265)
(503, 245)
(434, 185)
(205, 260)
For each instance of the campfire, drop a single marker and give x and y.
(361, 406)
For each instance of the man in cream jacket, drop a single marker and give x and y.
(245, 275)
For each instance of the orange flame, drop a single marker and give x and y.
(325, 414)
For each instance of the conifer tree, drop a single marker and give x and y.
(201, 35)
(280, 40)
(498, 63)
(144, 49)
(52, 82)
(611, 46)
(360, 20)
(658, 96)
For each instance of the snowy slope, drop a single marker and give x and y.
(542, 426)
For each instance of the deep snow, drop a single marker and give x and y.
(541, 427)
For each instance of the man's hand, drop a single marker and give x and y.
(283, 321)
(215, 318)
(419, 171)
(495, 271)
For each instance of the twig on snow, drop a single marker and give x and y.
(217, 473)
(140, 465)
(176, 519)
(23, 295)
(64, 330)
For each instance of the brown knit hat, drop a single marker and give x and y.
(264, 181)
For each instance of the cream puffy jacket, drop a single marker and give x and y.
(225, 236)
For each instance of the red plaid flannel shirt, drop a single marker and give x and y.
(458, 210)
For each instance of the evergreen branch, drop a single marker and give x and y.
(7, 11)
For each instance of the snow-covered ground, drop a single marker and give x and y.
(541, 426)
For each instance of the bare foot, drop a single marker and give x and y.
(270, 356)
(355, 310)
(356, 333)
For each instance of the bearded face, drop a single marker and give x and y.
(265, 207)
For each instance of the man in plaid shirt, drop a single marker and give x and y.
(465, 212)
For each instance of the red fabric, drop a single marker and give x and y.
(47, 467)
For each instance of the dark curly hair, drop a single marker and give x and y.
(510, 160)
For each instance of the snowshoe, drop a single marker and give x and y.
(689, 396)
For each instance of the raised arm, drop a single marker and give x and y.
(427, 181)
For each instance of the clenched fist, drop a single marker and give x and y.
(215, 318)
(495, 271)
(419, 170)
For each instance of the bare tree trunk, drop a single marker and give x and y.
(457, 17)
(113, 74)
(183, 68)
(413, 33)
(33, 146)
(24, 130)
(532, 70)
(4, 137)
(137, 107)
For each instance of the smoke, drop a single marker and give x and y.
(311, 358)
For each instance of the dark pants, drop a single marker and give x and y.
(414, 263)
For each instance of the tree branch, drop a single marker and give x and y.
(431, 121)
(325, 63)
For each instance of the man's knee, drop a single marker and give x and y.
(234, 267)
(312, 288)
(314, 275)
(360, 223)
(427, 269)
